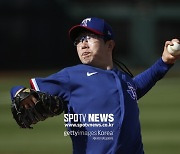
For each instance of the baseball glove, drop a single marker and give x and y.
(46, 106)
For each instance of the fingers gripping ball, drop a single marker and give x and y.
(174, 49)
(46, 106)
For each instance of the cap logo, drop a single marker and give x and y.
(85, 21)
(109, 33)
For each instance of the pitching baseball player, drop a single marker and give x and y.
(99, 101)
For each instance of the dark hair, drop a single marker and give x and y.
(120, 64)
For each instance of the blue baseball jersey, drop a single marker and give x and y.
(105, 103)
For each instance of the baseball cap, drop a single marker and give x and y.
(95, 25)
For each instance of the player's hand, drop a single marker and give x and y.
(166, 56)
(29, 107)
(28, 102)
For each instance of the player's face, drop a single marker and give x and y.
(92, 49)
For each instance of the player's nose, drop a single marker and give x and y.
(84, 45)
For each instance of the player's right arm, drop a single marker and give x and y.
(147, 79)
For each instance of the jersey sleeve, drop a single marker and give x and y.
(147, 79)
(14, 90)
(55, 84)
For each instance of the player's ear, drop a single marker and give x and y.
(111, 44)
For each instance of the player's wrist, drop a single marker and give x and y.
(168, 60)
(15, 90)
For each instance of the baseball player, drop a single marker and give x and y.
(99, 101)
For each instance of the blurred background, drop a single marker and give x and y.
(34, 42)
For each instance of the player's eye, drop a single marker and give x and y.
(80, 39)
(77, 41)
(86, 37)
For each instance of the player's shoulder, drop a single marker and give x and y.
(124, 75)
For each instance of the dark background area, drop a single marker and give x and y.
(34, 33)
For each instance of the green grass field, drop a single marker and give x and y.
(159, 114)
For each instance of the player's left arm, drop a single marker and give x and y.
(47, 97)
(30, 106)
(147, 79)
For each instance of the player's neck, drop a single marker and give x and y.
(108, 65)
(105, 66)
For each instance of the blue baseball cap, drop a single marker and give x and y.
(95, 25)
